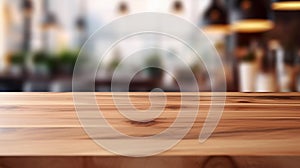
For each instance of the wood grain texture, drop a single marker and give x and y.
(253, 124)
(150, 162)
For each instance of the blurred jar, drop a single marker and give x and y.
(247, 69)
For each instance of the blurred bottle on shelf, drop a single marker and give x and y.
(49, 28)
(81, 32)
(277, 48)
(297, 72)
(266, 77)
(289, 74)
(284, 67)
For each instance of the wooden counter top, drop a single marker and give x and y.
(256, 124)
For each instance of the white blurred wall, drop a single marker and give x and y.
(98, 13)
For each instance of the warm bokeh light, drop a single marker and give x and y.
(287, 5)
(217, 29)
(252, 25)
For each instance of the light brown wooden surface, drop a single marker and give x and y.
(253, 124)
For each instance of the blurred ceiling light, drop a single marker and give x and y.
(177, 7)
(215, 18)
(27, 7)
(250, 16)
(123, 8)
(286, 5)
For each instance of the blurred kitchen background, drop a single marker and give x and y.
(258, 41)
